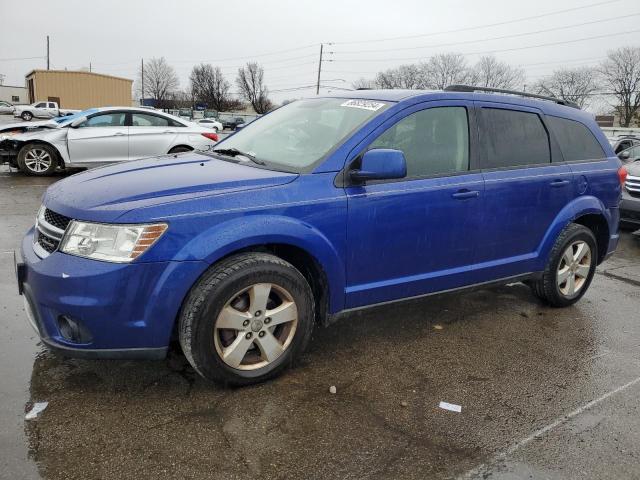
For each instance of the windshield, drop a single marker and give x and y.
(70, 118)
(301, 133)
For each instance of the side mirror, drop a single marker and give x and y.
(380, 164)
(77, 122)
(624, 155)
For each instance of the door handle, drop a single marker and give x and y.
(168, 131)
(559, 183)
(118, 134)
(464, 194)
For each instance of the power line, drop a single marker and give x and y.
(501, 37)
(21, 58)
(482, 52)
(477, 27)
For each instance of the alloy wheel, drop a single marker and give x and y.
(38, 160)
(256, 326)
(574, 268)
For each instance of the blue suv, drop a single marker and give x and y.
(324, 206)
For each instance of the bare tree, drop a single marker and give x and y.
(445, 69)
(575, 85)
(160, 80)
(621, 75)
(490, 72)
(209, 85)
(250, 81)
(405, 76)
(363, 83)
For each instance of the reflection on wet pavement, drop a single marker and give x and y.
(513, 364)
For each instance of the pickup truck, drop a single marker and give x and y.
(41, 110)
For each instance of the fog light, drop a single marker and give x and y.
(72, 330)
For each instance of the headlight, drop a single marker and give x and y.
(111, 243)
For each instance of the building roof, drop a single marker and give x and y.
(76, 72)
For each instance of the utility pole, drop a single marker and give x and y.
(89, 67)
(142, 83)
(47, 52)
(319, 70)
(320, 66)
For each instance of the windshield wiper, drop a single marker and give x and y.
(234, 152)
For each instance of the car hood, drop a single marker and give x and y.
(104, 194)
(26, 127)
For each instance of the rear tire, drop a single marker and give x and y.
(570, 267)
(247, 319)
(38, 159)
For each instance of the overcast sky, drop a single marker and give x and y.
(284, 35)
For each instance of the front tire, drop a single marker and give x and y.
(570, 267)
(26, 116)
(247, 319)
(37, 159)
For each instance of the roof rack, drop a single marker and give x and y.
(471, 88)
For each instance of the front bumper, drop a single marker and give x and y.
(629, 209)
(121, 310)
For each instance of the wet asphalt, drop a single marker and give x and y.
(545, 393)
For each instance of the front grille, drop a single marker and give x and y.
(55, 219)
(50, 228)
(49, 244)
(633, 185)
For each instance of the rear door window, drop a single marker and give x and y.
(145, 120)
(512, 138)
(434, 141)
(575, 139)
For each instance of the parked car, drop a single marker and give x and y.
(6, 107)
(41, 110)
(631, 154)
(211, 123)
(630, 203)
(624, 142)
(231, 123)
(101, 136)
(322, 207)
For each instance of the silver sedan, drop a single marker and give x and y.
(100, 136)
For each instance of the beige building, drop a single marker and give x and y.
(78, 89)
(13, 94)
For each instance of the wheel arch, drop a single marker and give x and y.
(59, 157)
(597, 223)
(586, 210)
(188, 147)
(295, 241)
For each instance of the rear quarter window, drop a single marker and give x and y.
(575, 139)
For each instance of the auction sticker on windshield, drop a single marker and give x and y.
(364, 104)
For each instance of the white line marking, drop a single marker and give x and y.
(483, 468)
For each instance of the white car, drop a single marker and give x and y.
(211, 123)
(6, 107)
(101, 136)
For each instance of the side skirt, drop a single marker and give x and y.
(331, 318)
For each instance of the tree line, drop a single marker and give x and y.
(207, 84)
(616, 79)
